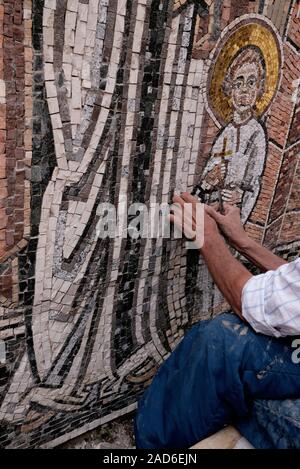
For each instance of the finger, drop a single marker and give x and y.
(183, 218)
(182, 212)
(178, 200)
(178, 216)
(172, 206)
(175, 210)
(188, 203)
(214, 205)
(187, 197)
(226, 208)
(176, 220)
(213, 213)
(210, 209)
(231, 208)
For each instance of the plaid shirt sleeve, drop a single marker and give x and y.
(271, 301)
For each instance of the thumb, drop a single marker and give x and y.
(213, 213)
(229, 208)
(215, 206)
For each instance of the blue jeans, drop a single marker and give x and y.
(222, 373)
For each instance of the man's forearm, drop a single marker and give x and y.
(259, 255)
(227, 272)
(232, 228)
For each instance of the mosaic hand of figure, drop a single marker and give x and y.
(215, 176)
(232, 196)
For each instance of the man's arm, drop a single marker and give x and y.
(260, 256)
(227, 272)
(268, 302)
(231, 225)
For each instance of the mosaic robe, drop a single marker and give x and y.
(246, 149)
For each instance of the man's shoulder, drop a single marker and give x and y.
(297, 263)
(290, 269)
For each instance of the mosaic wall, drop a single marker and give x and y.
(101, 99)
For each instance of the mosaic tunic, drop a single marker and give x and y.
(246, 154)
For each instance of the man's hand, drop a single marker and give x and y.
(230, 224)
(187, 204)
(231, 279)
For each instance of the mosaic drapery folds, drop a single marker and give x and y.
(101, 99)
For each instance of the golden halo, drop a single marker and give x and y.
(256, 34)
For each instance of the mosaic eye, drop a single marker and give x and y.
(237, 85)
(251, 82)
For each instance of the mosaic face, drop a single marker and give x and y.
(253, 44)
(110, 98)
(245, 87)
(245, 80)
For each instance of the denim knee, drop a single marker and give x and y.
(223, 331)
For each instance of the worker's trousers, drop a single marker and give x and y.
(223, 373)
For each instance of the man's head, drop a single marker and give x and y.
(244, 82)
